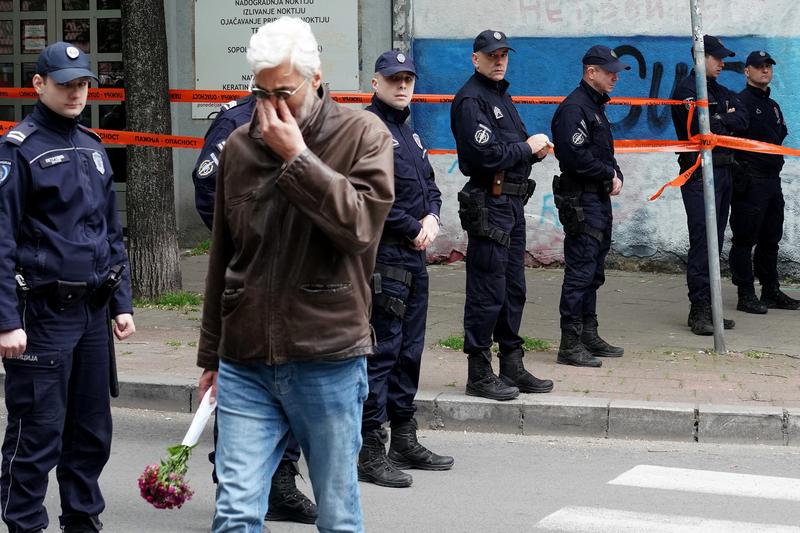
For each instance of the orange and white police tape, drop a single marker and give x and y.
(696, 143)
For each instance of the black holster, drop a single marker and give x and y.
(570, 212)
(391, 304)
(103, 294)
(474, 216)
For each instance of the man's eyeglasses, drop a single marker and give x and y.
(280, 94)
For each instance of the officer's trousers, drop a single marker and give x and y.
(393, 370)
(59, 415)
(584, 261)
(756, 220)
(692, 192)
(495, 293)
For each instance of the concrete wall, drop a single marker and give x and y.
(550, 37)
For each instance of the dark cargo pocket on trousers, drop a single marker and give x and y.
(34, 386)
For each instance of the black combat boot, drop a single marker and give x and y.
(286, 502)
(374, 467)
(774, 298)
(748, 303)
(81, 524)
(406, 452)
(594, 343)
(700, 319)
(571, 351)
(513, 373)
(481, 381)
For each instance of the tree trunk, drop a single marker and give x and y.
(152, 228)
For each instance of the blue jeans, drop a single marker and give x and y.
(321, 403)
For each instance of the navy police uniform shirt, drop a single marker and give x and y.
(720, 99)
(582, 136)
(416, 193)
(767, 124)
(490, 135)
(57, 211)
(204, 175)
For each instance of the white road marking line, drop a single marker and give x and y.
(593, 520)
(709, 482)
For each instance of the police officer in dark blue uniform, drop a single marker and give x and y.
(286, 502)
(231, 116)
(727, 117)
(61, 250)
(496, 153)
(589, 176)
(400, 289)
(757, 205)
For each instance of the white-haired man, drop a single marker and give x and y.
(302, 194)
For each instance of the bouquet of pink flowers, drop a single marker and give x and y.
(164, 485)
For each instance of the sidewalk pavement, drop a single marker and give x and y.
(668, 386)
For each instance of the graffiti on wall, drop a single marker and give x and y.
(548, 66)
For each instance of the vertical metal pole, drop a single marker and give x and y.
(708, 180)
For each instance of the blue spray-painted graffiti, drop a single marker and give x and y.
(551, 67)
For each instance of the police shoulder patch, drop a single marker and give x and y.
(206, 168)
(578, 138)
(482, 134)
(5, 171)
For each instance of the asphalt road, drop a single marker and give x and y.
(502, 483)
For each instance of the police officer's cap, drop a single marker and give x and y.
(64, 62)
(488, 41)
(714, 46)
(758, 58)
(392, 62)
(605, 58)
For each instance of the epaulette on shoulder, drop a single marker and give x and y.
(89, 131)
(20, 133)
(228, 105)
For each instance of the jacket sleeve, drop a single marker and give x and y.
(349, 209)
(121, 300)
(572, 145)
(478, 144)
(204, 175)
(400, 222)
(735, 122)
(219, 257)
(435, 194)
(12, 201)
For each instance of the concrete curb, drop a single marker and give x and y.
(613, 419)
(544, 415)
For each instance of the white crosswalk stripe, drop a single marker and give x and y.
(593, 520)
(577, 519)
(708, 482)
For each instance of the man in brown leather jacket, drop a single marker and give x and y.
(302, 194)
